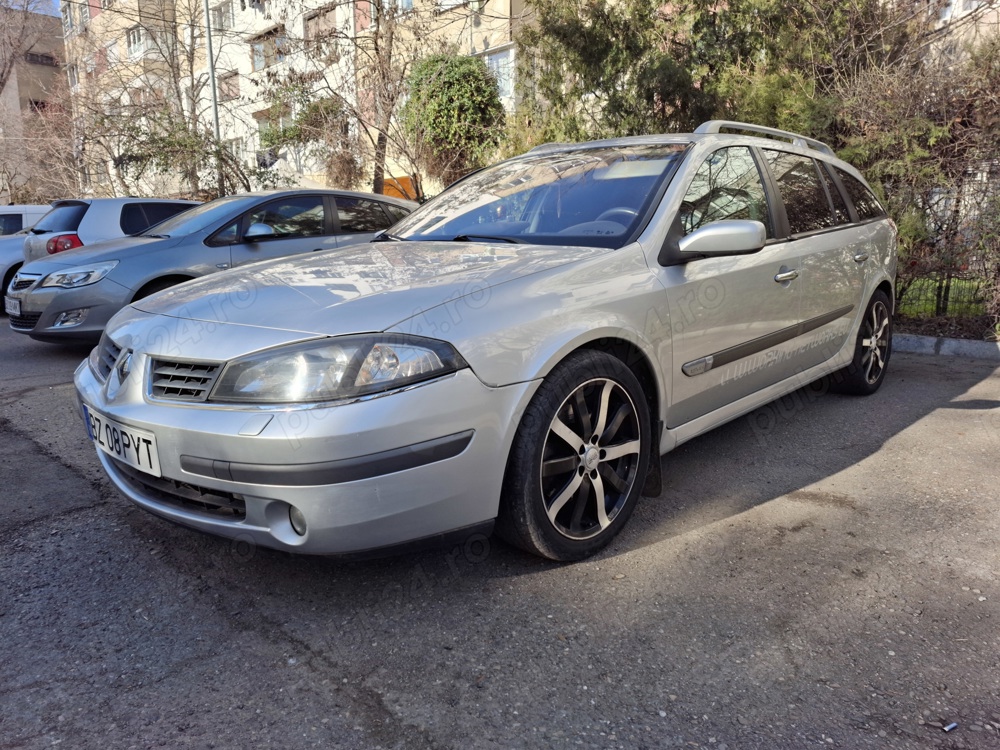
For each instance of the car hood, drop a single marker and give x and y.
(368, 288)
(115, 249)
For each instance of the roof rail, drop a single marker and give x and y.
(717, 126)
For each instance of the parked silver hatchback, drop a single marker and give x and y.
(519, 352)
(73, 294)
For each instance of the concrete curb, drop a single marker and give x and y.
(905, 342)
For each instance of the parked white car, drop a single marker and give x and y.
(15, 218)
(78, 222)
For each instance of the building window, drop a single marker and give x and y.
(67, 19)
(134, 41)
(71, 73)
(501, 65)
(235, 147)
(105, 4)
(40, 59)
(111, 53)
(229, 86)
(84, 13)
(321, 28)
(223, 16)
(268, 49)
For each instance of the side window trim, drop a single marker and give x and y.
(762, 176)
(835, 179)
(786, 229)
(776, 206)
(245, 218)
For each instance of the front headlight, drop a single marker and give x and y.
(335, 369)
(79, 275)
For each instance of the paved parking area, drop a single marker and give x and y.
(821, 573)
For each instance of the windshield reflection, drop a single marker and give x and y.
(591, 196)
(200, 217)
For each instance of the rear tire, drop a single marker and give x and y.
(579, 459)
(872, 350)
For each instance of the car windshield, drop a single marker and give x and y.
(201, 217)
(591, 196)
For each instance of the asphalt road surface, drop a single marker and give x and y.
(821, 573)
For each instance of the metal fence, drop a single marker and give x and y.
(944, 294)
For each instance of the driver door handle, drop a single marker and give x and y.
(786, 276)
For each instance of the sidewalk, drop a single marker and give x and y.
(968, 348)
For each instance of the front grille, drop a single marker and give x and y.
(24, 321)
(108, 353)
(183, 381)
(182, 495)
(23, 281)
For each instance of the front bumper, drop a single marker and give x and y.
(366, 475)
(41, 308)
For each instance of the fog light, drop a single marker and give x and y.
(297, 520)
(70, 318)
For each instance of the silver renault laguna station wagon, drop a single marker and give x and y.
(518, 352)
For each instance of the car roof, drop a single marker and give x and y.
(329, 191)
(111, 201)
(758, 135)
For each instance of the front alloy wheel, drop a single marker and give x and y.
(590, 459)
(578, 461)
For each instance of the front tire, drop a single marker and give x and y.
(578, 461)
(872, 350)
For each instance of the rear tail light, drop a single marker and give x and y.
(62, 242)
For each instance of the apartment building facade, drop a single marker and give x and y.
(270, 61)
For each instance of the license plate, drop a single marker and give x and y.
(12, 306)
(135, 447)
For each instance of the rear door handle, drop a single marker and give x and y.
(861, 257)
(786, 276)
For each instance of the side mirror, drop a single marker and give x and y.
(727, 237)
(258, 231)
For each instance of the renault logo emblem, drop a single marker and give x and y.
(124, 366)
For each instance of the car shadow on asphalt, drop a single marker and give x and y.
(775, 451)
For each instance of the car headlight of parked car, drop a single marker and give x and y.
(79, 275)
(335, 369)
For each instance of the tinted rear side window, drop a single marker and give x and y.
(806, 204)
(839, 207)
(359, 215)
(864, 201)
(64, 218)
(133, 220)
(157, 212)
(10, 223)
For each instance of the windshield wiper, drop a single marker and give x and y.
(386, 237)
(482, 237)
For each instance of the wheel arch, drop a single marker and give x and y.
(636, 360)
(159, 283)
(9, 275)
(886, 286)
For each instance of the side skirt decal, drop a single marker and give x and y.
(749, 348)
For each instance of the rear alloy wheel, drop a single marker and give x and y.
(871, 352)
(578, 461)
